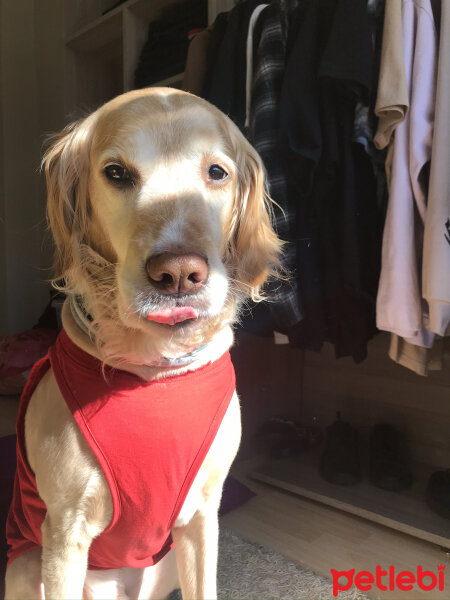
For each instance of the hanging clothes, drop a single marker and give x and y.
(417, 358)
(226, 86)
(333, 182)
(318, 69)
(269, 70)
(392, 95)
(391, 107)
(436, 249)
(365, 119)
(399, 302)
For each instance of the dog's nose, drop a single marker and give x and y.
(177, 274)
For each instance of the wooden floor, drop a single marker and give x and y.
(318, 537)
(323, 538)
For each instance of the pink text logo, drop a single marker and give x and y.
(388, 579)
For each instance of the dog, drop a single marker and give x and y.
(162, 229)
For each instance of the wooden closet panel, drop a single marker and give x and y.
(379, 390)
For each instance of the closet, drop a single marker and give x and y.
(102, 48)
(100, 56)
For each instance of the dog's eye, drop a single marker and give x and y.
(216, 173)
(117, 173)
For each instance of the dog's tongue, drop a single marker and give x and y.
(171, 316)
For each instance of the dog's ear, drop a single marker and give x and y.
(253, 246)
(66, 166)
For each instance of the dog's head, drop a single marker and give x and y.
(159, 213)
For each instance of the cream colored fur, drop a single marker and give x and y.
(103, 235)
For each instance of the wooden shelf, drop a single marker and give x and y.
(406, 511)
(99, 33)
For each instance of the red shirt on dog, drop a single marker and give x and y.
(150, 439)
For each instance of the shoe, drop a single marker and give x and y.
(388, 468)
(438, 493)
(339, 463)
(283, 437)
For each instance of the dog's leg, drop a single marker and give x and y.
(70, 482)
(65, 547)
(72, 522)
(23, 577)
(196, 547)
(196, 530)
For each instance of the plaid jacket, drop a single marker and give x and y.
(269, 66)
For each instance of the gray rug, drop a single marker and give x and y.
(248, 571)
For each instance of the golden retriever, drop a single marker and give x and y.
(162, 228)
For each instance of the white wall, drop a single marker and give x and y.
(31, 105)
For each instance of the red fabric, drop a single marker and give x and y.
(150, 440)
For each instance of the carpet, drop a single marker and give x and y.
(248, 571)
